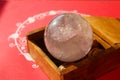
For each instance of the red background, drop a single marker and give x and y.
(15, 67)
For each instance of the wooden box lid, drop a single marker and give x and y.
(106, 30)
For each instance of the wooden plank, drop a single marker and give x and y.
(106, 28)
(102, 42)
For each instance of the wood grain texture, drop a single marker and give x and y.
(108, 29)
(102, 42)
(45, 63)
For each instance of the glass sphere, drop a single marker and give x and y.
(68, 37)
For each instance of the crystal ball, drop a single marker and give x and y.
(68, 37)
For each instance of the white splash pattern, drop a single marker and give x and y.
(21, 42)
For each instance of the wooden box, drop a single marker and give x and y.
(102, 58)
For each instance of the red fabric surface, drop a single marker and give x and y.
(14, 66)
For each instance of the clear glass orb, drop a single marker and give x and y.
(68, 37)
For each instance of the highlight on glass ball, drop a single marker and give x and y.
(68, 37)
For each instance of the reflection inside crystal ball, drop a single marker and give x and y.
(68, 37)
